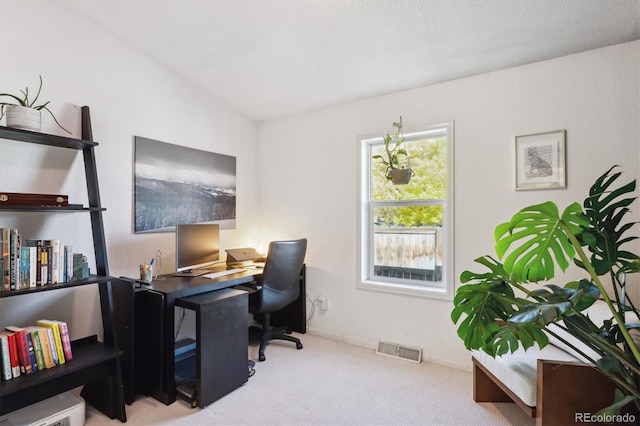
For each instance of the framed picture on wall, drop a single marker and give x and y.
(540, 160)
(176, 185)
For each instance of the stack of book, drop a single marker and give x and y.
(27, 350)
(26, 263)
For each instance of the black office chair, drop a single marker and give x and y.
(278, 286)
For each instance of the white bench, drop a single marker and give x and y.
(549, 383)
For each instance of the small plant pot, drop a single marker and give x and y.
(25, 118)
(400, 176)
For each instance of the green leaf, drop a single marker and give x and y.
(537, 236)
(507, 338)
(589, 293)
(541, 314)
(487, 298)
(606, 209)
(19, 100)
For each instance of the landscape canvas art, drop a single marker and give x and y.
(175, 185)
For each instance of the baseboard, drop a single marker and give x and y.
(467, 367)
(342, 338)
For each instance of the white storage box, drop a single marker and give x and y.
(66, 409)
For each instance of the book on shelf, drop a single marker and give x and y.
(27, 263)
(23, 348)
(47, 353)
(14, 358)
(66, 340)
(14, 259)
(54, 327)
(25, 270)
(44, 265)
(32, 352)
(5, 238)
(53, 344)
(54, 259)
(50, 264)
(37, 263)
(37, 347)
(68, 262)
(33, 265)
(5, 357)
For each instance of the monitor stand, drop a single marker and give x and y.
(192, 273)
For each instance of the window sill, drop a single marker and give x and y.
(430, 292)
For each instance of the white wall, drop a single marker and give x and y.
(307, 163)
(129, 94)
(309, 186)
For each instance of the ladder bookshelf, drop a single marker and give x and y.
(97, 366)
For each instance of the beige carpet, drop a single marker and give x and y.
(333, 383)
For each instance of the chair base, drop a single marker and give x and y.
(280, 333)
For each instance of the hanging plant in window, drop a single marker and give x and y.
(396, 157)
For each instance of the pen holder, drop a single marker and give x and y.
(146, 273)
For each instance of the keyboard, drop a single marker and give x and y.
(223, 273)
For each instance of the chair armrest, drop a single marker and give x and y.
(249, 287)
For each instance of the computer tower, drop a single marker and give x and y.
(221, 355)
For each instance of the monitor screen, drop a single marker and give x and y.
(197, 245)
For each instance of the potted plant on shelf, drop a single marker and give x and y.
(537, 239)
(23, 113)
(396, 158)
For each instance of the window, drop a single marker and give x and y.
(406, 231)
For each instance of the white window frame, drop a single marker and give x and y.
(367, 280)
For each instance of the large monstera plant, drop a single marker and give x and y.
(504, 307)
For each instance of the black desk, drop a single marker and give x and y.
(154, 361)
(154, 327)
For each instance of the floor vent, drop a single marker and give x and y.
(399, 351)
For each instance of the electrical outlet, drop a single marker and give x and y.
(323, 303)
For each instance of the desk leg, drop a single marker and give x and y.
(151, 345)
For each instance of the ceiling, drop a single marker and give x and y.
(274, 58)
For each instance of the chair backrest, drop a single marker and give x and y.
(283, 265)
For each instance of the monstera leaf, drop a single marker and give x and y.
(605, 209)
(581, 294)
(508, 338)
(543, 237)
(528, 318)
(489, 297)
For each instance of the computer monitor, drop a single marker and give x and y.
(197, 246)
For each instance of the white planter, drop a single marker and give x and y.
(24, 118)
